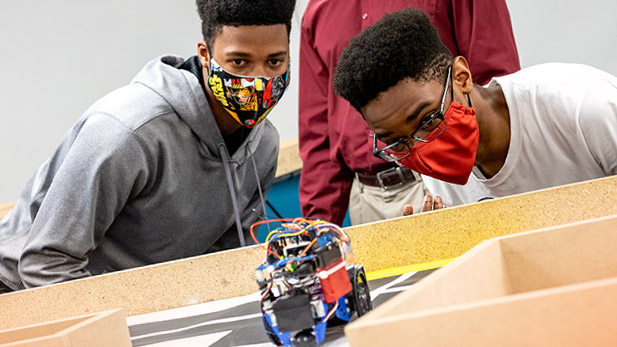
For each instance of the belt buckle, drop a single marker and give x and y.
(383, 173)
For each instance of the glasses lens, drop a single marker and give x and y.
(429, 130)
(400, 150)
(397, 148)
(394, 152)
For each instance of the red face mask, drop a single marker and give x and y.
(449, 157)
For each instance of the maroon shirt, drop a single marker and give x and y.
(335, 141)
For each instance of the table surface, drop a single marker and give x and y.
(237, 321)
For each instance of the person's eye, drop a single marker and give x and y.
(396, 142)
(276, 62)
(430, 122)
(238, 62)
(398, 146)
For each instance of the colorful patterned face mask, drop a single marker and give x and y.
(247, 99)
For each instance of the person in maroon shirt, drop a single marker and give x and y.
(335, 143)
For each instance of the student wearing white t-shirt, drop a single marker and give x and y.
(544, 126)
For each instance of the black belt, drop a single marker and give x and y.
(387, 179)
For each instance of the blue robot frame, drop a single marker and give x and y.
(308, 280)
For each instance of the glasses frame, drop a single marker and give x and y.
(383, 154)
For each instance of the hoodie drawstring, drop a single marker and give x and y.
(261, 195)
(232, 191)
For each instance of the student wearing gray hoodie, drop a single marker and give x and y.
(173, 165)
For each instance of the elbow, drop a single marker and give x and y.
(28, 271)
(39, 269)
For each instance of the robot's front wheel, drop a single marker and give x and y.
(270, 333)
(361, 291)
(304, 338)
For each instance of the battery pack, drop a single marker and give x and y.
(293, 313)
(334, 281)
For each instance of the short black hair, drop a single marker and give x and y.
(215, 14)
(400, 45)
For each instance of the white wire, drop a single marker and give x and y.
(331, 312)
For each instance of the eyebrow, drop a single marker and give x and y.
(413, 115)
(417, 111)
(237, 54)
(247, 55)
(277, 54)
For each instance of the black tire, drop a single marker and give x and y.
(270, 333)
(305, 338)
(361, 292)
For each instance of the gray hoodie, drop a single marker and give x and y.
(138, 180)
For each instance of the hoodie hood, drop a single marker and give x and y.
(183, 92)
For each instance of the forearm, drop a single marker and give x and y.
(81, 195)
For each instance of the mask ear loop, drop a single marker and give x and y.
(451, 77)
(452, 88)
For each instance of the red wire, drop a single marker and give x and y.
(293, 221)
(266, 293)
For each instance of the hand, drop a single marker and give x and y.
(429, 204)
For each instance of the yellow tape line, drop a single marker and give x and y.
(396, 271)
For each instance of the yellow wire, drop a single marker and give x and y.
(279, 231)
(310, 224)
(270, 234)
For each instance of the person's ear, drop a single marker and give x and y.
(204, 54)
(461, 75)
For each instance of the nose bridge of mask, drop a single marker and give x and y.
(214, 65)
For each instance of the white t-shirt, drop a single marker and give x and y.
(563, 124)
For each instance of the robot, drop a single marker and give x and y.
(308, 280)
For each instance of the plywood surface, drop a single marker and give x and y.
(103, 329)
(403, 241)
(571, 316)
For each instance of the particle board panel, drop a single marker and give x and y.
(450, 232)
(141, 290)
(402, 241)
(289, 157)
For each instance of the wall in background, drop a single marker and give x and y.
(58, 57)
(566, 31)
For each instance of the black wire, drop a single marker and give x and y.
(278, 215)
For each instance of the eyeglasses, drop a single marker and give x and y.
(431, 126)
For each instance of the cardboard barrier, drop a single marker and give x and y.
(552, 287)
(105, 329)
(403, 241)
